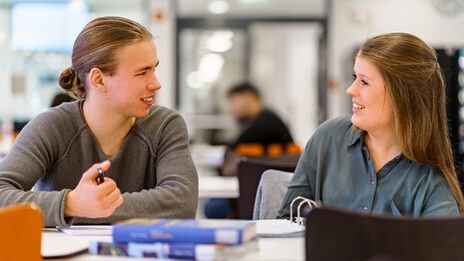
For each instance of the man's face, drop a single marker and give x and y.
(132, 87)
(240, 105)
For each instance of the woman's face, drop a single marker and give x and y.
(372, 107)
(131, 89)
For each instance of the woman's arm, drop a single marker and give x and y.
(176, 191)
(438, 200)
(299, 185)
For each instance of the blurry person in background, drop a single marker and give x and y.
(261, 126)
(60, 98)
(57, 100)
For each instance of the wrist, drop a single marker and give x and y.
(69, 210)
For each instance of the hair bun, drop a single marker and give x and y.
(68, 79)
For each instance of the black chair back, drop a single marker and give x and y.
(345, 235)
(249, 174)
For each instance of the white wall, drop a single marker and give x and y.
(162, 23)
(354, 21)
(284, 65)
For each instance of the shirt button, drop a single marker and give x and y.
(372, 182)
(365, 208)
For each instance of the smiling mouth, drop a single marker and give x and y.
(147, 99)
(357, 106)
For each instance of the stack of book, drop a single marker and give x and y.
(180, 239)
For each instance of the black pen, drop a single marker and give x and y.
(100, 177)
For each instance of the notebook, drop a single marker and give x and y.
(59, 245)
(90, 230)
(278, 228)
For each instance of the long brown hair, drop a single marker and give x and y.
(414, 81)
(95, 47)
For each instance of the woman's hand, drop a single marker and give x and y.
(92, 200)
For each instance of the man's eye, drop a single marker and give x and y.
(142, 73)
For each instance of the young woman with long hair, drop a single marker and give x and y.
(393, 155)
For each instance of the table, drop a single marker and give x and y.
(207, 156)
(269, 249)
(217, 187)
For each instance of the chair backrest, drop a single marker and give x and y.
(249, 173)
(270, 193)
(21, 232)
(346, 235)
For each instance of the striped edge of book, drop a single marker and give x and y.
(203, 231)
(174, 250)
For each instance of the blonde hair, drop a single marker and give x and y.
(414, 81)
(95, 47)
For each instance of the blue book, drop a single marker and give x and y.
(206, 231)
(174, 250)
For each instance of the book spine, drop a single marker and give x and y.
(154, 250)
(177, 235)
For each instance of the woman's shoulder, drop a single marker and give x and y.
(425, 173)
(331, 136)
(339, 127)
(342, 122)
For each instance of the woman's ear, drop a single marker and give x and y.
(97, 80)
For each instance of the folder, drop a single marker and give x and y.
(21, 232)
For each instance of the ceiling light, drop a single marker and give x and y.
(220, 41)
(224, 34)
(193, 80)
(219, 45)
(218, 7)
(210, 67)
(253, 2)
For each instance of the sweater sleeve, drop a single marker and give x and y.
(176, 191)
(33, 153)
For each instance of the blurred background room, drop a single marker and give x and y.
(298, 53)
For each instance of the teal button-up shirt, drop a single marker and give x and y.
(336, 169)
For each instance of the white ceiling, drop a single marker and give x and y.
(198, 8)
(269, 8)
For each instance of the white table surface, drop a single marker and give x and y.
(217, 187)
(269, 249)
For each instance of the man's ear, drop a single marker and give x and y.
(98, 80)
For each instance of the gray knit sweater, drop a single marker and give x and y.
(153, 167)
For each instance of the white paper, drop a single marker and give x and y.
(59, 245)
(96, 230)
(278, 228)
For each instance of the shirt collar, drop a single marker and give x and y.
(356, 135)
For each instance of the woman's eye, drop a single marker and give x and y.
(364, 82)
(354, 76)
